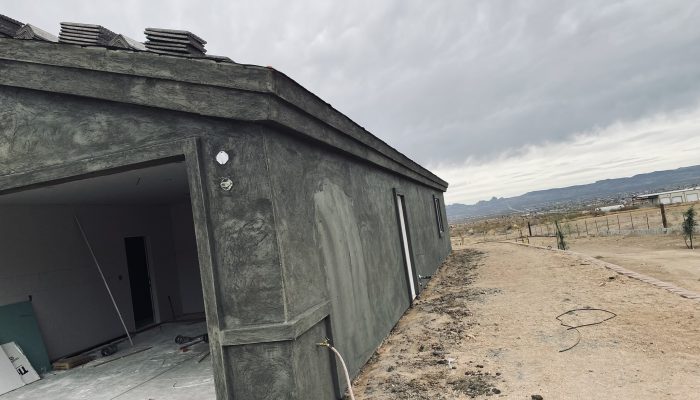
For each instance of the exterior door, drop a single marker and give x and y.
(406, 246)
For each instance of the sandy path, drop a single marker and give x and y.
(488, 322)
(663, 257)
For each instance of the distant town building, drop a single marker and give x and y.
(610, 208)
(672, 196)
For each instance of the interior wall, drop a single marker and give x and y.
(45, 257)
(191, 296)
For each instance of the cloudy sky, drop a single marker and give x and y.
(497, 97)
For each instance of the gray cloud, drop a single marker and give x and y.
(662, 141)
(445, 81)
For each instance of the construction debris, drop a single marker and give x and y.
(189, 341)
(109, 350)
(9, 379)
(132, 352)
(72, 362)
(20, 362)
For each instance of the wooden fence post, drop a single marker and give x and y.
(663, 216)
(631, 220)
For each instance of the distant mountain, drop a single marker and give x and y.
(607, 191)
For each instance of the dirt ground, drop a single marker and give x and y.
(486, 327)
(664, 257)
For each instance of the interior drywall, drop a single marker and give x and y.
(44, 256)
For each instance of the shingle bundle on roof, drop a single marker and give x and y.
(172, 42)
(123, 42)
(85, 34)
(9, 26)
(31, 32)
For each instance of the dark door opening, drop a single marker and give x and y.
(139, 280)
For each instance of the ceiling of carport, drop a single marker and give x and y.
(161, 184)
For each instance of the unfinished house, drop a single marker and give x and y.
(155, 190)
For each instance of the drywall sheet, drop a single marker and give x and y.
(19, 325)
(20, 362)
(9, 378)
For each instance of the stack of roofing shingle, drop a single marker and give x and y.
(123, 42)
(177, 43)
(85, 34)
(31, 32)
(8, 26)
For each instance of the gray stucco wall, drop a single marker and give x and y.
(304, 246)
(339, 239)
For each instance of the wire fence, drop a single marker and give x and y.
(645, 221)
(642, 221)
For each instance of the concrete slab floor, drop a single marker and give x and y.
(161, 372)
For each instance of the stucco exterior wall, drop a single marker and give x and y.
(305, 245)
(339, 239)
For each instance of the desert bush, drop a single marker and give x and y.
(688, 226)
(561, 244)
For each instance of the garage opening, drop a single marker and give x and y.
(139, 226)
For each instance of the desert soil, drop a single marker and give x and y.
(486, 327)
(664, 257)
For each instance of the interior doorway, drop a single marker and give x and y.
(139, 280)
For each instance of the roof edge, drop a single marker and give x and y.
(226, 75)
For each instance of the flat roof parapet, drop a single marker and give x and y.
(263, 94)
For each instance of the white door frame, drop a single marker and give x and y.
(404, 232)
